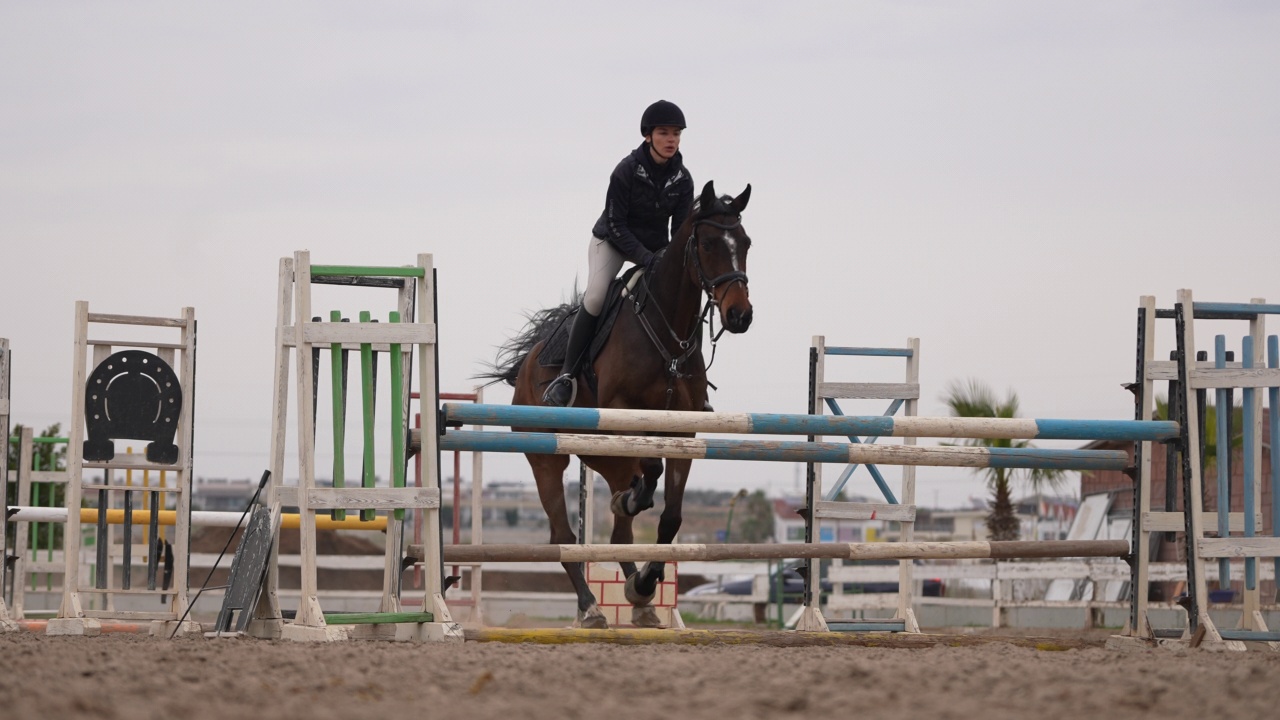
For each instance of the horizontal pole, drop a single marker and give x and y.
(774, 638)
(199, 518)
(1236, 308)
(868, 351)
(108, 319)
(411, 271)
(994, 550)
(780, 451)
(670, 421)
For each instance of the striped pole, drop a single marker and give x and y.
(998, 550)
(528, 416)
(780, 451)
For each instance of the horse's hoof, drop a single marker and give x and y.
(633, 593)
(592, 619)
(618, 504)
(645, 616)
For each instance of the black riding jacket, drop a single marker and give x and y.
(645, 205)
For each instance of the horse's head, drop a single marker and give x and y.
(718, 245)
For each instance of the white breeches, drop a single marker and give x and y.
(603, 263)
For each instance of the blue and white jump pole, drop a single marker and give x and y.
(779, 450)
(667, 421)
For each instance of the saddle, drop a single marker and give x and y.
(624, 288)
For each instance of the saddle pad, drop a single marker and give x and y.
(623, 287)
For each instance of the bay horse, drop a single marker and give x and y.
(651, 360)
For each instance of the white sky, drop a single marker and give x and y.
(1000, 179)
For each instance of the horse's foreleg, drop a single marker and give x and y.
(644, 584)
(639, 496)
(669, 523)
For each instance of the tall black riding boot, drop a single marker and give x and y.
(560, 392)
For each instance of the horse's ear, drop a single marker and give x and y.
(707, 200)
(740, 203)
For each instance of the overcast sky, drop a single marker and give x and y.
(1000, 179)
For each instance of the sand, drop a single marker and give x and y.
(127, 676)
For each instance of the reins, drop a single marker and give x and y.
(674, 365)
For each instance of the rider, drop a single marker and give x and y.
(650, 194)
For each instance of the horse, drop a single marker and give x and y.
(651, 360)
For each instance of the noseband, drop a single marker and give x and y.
(709, 285)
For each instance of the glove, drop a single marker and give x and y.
(649, 262)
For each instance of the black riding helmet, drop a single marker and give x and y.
(661, 113)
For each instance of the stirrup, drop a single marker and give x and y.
(553, 394)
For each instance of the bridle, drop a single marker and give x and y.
(709, 286)
(674, 365)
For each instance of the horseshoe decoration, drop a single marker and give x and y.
(132, 395)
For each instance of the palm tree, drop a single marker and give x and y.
(975, 399)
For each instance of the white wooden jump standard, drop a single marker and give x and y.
(73, 618)
(823, 503)
(1193, 374)
(6, 622)
(416, 332)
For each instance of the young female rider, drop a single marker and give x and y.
(650, 194)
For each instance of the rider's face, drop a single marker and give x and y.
(664, 142)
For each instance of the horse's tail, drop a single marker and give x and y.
(541, 325)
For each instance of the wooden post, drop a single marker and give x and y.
(6, 621)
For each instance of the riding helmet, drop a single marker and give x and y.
(659, 114)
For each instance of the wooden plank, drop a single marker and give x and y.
(129, 614)
(869, 391)
(862, 601)
(387, 333)
(1240, 547)
(1161, 521)
(144, 344)
(1168, 369)
(135, 462)
(836, 510)
(120, 488)
(863, 573)
(358, 498)
(1258, 377)
(1041, 571)
(109, 319)
(381, 347)
(390, 271)
(983, 571)
(380, 618)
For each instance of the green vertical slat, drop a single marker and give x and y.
(339, 417)
(397, 416)
(367, 390)
(33, 534)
